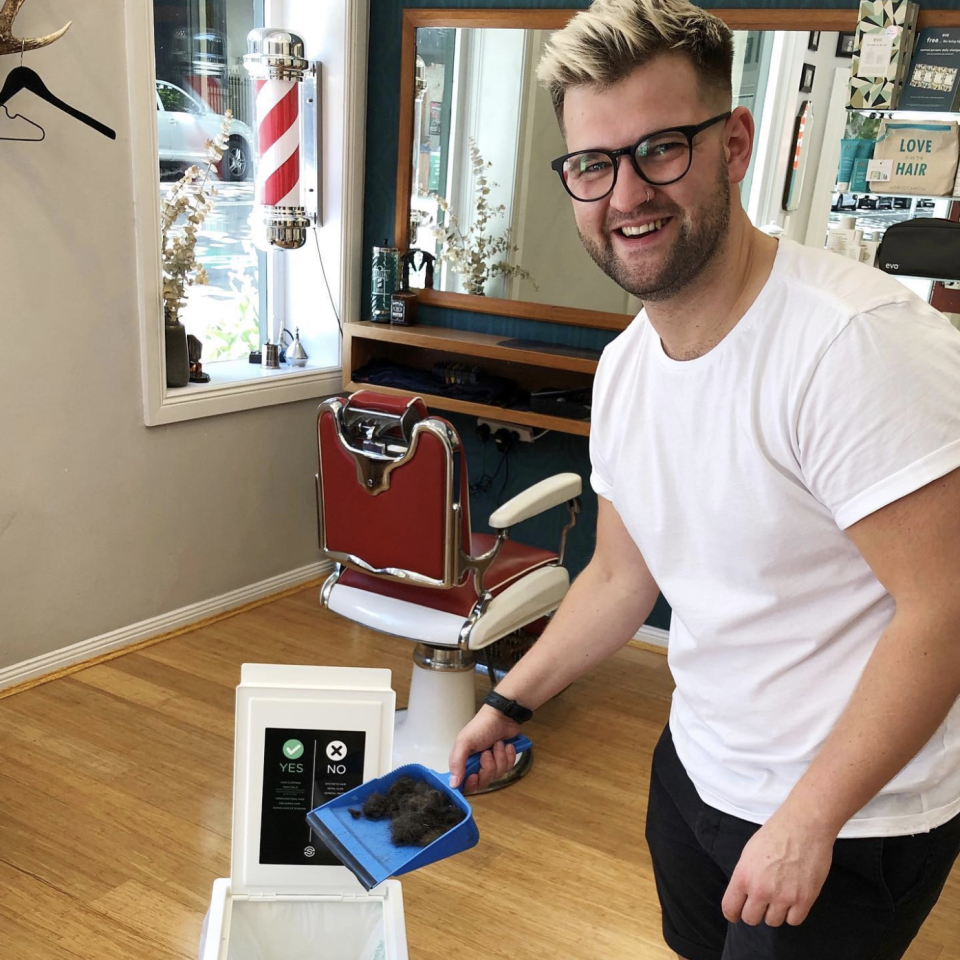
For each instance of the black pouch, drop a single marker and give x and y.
(926, 247)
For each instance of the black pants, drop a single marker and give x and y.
(877, 894)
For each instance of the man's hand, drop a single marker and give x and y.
(780, 872)
(485, 732)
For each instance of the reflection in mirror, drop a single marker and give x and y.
(485, 133)
(484, 136)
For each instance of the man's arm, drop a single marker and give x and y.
(907, 688)
(603, 610)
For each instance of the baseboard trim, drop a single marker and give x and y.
(87, 653)
(79, 656)
(650, 638)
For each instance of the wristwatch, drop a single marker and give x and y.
(509, 708)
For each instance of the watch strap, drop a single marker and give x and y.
(509, 708)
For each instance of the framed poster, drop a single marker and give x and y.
(846, 44)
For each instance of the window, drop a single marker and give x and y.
(199, 47)
(188, 54)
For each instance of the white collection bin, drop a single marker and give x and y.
(303, 735)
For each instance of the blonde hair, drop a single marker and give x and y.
(604, 43)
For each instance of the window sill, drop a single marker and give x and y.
(225, 374)
(238, 385)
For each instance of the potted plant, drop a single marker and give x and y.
(471, 252)
(191, 201)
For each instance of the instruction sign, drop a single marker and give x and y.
(301, 770)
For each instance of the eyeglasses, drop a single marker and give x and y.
(659, 158)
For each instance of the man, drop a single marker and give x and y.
(774, 444)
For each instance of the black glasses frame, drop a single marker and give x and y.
(689, 131)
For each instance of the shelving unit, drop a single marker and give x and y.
(908, 114)
(898, 196)
(879, 220)
(423, 346)
(901, 214)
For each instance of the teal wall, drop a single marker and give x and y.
(555, 452)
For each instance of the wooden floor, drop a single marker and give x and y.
(115, 802)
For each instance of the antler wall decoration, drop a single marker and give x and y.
(11, 44)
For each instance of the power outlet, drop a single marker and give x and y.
(524, 434)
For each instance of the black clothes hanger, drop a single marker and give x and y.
(23, 78)
(14, 116)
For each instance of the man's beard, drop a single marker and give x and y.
(693, 249)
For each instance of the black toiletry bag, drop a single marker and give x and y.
(926, 247)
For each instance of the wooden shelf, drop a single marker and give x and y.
(520, 309)
(424, 345)
(525, 418)
(467, 344)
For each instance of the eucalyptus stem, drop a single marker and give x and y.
(190, 199)
(469, 252)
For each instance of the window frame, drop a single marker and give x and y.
(346, 53)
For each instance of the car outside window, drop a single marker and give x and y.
(176, 100)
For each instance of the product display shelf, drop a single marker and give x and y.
(902, 196)
(423, 346)
(877, 220)
(911, 196)
(906, 114)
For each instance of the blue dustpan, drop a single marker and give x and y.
(364, 846)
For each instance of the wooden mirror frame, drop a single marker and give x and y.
(413, 19)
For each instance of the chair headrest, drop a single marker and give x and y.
(380, 423)
(369, 401)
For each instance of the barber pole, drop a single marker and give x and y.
(275, 61)
(278, 133)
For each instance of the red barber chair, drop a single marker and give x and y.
(394, 513)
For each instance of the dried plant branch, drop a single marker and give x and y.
(192, 200)
(471, 252)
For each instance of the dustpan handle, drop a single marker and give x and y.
(520, 742)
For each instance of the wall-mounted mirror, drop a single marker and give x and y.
(484, 136)
(469, 92)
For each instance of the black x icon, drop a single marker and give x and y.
(336, 751)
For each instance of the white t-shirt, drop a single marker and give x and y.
(737, 473)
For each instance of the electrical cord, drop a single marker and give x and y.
(327, 285)
(475, 487)
(486, 482)
(506, 476)
(488, 658)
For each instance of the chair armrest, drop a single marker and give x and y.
(560, 488)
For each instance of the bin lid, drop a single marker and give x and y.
(304, 734)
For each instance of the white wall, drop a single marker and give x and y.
(827, 63)
(103, 521)
(309, 303)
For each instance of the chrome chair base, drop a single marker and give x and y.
(519, 770)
